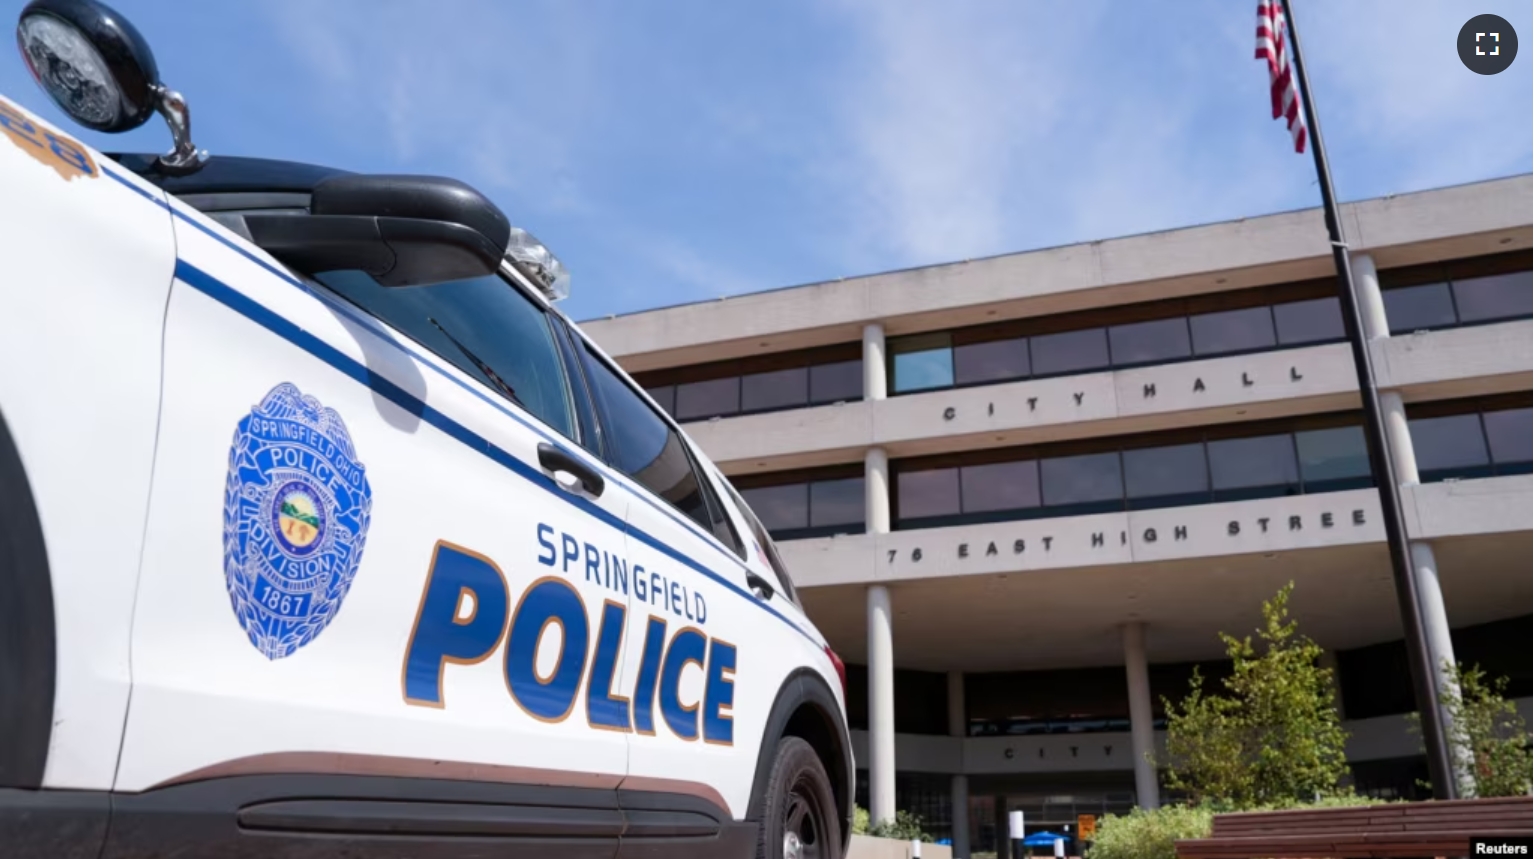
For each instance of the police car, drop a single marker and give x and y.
(324, 533)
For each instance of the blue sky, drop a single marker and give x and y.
(682, 150)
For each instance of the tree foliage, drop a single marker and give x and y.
(1487, 731)
(1273, 737)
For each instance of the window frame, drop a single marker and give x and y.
(761, 536)
(590, 352)
(552, 318)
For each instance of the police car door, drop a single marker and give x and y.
(708, 649)
(359, 559)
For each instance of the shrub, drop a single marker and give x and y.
(1153, 834)
(905, 827)
(1487, 732)
(1273, 737)
(1145, 834)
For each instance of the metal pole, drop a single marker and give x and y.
(1439, 765)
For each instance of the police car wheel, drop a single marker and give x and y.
(799, 818)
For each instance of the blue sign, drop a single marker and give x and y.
(296, 509)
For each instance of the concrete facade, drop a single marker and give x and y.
(1131, 588)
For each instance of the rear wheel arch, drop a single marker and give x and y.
(27, 643)
(807, 709)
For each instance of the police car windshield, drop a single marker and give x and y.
(484, 326)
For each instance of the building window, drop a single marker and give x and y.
(1495, 297)
(776, 389)
(921, 363)
(761, 383)
(1450, 446)
(999, 486)
(711, 399)
(808, 508)
(1241, 468)
(928, 494)
(780, 508)
(1249, 329)
(836, 502)
(1069, 352)
(1508, 434)
(840, 381)
(992, 361)
(1333, 459)
(1084, 483)
(1169, 476)
(1155, 342)
(1419, 308)
(1301, 323)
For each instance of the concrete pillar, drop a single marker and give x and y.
(1003, 835)
(958, 726)
(1371, 304)
(875, 370)
(1402, 454)
(876, 490)
(960, 788)
(1142, 733)
(881, 707)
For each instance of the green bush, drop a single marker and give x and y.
(1153, 834)
(1148, 834)
(905, 827)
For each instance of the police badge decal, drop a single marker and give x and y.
(296, 509)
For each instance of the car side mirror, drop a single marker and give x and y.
(401, 230)
(93, 63)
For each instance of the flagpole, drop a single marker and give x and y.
(1440, 767)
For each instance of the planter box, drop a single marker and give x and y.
(864, 847)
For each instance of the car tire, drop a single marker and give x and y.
(799, 818)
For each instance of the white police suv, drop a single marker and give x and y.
(323, 533)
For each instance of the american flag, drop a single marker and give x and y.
(1270, 46)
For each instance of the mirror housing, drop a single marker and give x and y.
(96, 66)
(401, 230)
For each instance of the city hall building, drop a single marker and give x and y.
(1022, 495)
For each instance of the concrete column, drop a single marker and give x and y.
(960, 789)
(1371, 304)
(875, 370)
(1142, 734)
(1003, 835)
(881, 707)
(1402, 454)
(876, 490)
(958, 726)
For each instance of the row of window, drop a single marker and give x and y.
(767, 391)
(930, 361)
(1194, 470)
(926, 362)
(1431, 297)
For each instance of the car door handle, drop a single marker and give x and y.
(760, 585)
(557, 459)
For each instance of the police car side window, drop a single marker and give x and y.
(484, 326)
(764, 544)
(643, 446)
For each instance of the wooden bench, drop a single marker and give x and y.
(1401, 829)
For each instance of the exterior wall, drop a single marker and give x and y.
(1467, 220)
(1493, 505)
(1435, 365)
